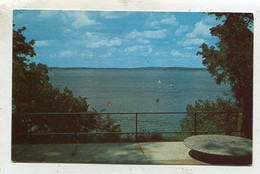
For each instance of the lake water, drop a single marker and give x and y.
(136, 90)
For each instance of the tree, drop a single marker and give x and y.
(210, 120)
(32, 92)
(231, 61)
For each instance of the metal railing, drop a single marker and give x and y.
(19, 119)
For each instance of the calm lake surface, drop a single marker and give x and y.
(136, 90)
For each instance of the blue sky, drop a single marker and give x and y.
(116, 39)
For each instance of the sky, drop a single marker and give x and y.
(116, 39)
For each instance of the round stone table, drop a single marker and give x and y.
(222, 145)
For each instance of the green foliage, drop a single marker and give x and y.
(109, 126)
(226, 122)
(180, 136)
(232, 60)
(145, 136)
(33, 93)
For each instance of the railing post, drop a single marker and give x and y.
(136, 128)
(195, 123)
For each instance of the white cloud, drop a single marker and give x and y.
(107, 54)
(188, 48)
(47, 13)
(76, 54)
(87, 54)
(167, 20)
(170, 21)
(108, 15)
(154, 24)
(175, 53)
(143, 41)
(195, 38)
(115, 41)
(104, 43)
(181, 29)
(200, 29)
(91, 36)
(79, 19)
(134, 48)
(66, 29)
(178, 54)
(191, 42)
(96, 40)
(190, 35)
(66, 53)
(150, 50)
(82, 20)
(42, 43)
(19, 16)
(140, 49)
(160, 53)
(152, 34)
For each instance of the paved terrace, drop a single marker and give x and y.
(117, 153)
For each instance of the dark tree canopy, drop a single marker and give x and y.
(231, 60)
(227, 122)
(33, 93)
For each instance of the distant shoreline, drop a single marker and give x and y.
(149, 68)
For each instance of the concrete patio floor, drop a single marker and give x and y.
(110, 153)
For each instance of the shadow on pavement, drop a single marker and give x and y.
(220, 159)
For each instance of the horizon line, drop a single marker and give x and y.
(151, 67)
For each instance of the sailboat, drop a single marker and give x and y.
(159, 82)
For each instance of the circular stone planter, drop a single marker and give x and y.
(222, 145)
